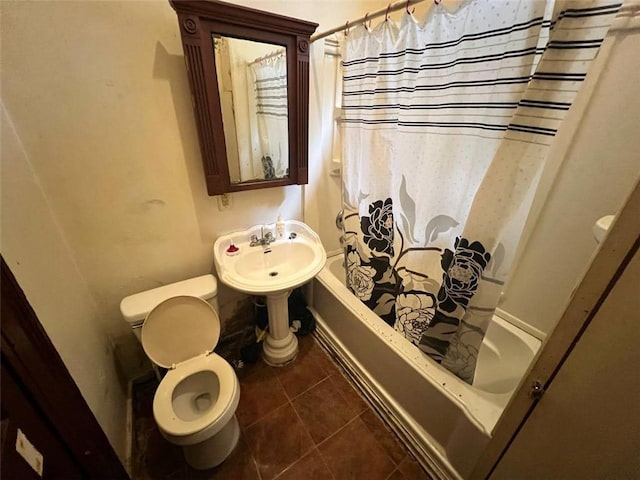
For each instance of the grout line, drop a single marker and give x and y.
(394, 471)
(306, 452)
(326, 375)
(267, 414)
(339, 430)
(254, 461)
(309, 388)
(326, 464)
(304, 426)
(305, 391)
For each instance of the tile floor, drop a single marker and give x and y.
(302, 421)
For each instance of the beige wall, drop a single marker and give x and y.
(586, 424)
(36, 251)
(591, 170)
(107, 196)
(99, 96)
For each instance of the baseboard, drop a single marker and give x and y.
(129, 427)
(128, 464)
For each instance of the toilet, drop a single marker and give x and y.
(195, 403)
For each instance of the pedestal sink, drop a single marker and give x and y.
(272, 270)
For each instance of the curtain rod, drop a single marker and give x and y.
(392, 7)
(270, 55)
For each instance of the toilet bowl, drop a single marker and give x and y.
(195, 403)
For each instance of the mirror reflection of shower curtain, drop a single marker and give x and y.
(270, 94)
(446, 128)
(243, 111)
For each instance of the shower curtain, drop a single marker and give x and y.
(271, 114)
(446, 127)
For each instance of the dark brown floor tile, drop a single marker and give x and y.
(324, 360)
(238, 466)
(353, 453)
(349, 393)
(323, 410)
(304, 372)
(260, 394)
(411, 470)
(310, 467)
(305, 342)
(383, 436)
(277, 441)
(161, 459)
(256, 368)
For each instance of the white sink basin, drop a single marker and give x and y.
(285, 264)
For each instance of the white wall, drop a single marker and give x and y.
(596, 152)
(37, 252)
(586, 424)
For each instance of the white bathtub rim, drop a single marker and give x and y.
(503, 314)
(521, 324)
(483, 416)
(484, 408)
(442, 467)
(530, 340)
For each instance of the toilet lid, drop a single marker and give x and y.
(178, 329)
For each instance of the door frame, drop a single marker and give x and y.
(606, 267)
(45, 379)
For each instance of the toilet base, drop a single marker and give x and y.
(213, 451)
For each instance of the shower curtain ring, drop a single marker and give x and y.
(364, 23)
(407, 8)
(346, 29)
(386, 15)
(437, 2)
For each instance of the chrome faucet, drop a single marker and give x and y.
(264, 240)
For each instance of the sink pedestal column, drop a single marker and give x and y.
(280, 346)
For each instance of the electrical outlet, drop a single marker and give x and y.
(27, 451)
(224, 201)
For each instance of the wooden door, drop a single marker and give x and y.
(19, 413)
(40, 397)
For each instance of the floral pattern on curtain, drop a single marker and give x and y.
(446, 127)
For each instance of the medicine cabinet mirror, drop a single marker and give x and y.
(249, 76)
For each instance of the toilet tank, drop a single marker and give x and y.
(135, 308)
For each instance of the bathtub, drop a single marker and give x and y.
(445, 422)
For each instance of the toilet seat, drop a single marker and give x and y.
(211, 421)
(180, 334)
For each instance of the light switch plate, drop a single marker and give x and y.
(32, 456)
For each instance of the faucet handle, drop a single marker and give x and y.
(268, 236)
(254, 240)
